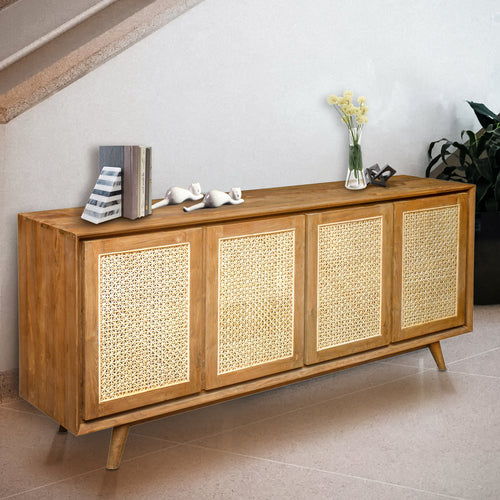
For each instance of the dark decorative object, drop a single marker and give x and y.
(476, 160)
(379, 177)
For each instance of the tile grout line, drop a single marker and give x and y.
(473, 356)
(190, 443)
(324, 471)
(458, 372)
(82, 474)
(36, 488)
(26, 412)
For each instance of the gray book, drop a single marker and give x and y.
(123, 157)
(149, 182)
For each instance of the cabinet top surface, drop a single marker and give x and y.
(258, 203)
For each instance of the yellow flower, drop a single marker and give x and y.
(333, 99)
(353, 116)
(348, 96)
(347, 109)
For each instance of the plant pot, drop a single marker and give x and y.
(487, 258)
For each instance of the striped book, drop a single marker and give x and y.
(105, 202)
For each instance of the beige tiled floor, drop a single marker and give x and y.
(395, 429)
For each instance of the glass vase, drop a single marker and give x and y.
(355, 176)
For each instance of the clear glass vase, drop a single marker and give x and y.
(355, 175)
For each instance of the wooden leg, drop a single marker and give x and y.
(437, 354)
(62, 430)
(116, 445)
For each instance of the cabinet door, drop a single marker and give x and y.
(348, 281)
(142, 303)
(429, 282)
(255, 288)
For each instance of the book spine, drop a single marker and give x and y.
(149, 182)
(129, 184)
(134, 182)
(142, 181)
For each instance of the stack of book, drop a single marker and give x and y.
(135, 164)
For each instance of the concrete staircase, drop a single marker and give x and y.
(32, 69)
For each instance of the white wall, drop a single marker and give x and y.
(233, 93)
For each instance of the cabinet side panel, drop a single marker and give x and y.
(48, 322)
(469, 283)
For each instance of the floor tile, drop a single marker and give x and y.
(21, 405)
(433, 431)
(191, 473)
(34, 454)
(484, 337)
(196, 424)
(393, 429)
(487, 364)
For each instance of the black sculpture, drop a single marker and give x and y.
(379, 177)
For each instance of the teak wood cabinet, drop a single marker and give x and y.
(133, 320)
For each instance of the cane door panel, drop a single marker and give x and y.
(255, 280)
(348, 282)
(430, 247)
(142, 317)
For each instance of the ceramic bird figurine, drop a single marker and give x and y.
(216, 198)
(176, 195)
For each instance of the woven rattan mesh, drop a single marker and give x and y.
(143, 320)
(349, 293)
(430, 265)
(256, 299)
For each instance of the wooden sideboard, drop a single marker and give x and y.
(128, 321)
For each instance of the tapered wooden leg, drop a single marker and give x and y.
(437, 354)
(116, 445)
(62, 430)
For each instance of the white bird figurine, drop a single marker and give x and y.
(176, 195)
(216, 198)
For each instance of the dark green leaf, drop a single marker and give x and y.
(431, 164)
(484, 115)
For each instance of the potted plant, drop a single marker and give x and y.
(476, 160)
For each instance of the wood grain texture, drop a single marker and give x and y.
(58, 301)
(437, 354)
(116, 446)
(428, 296)
(469, 280)
(214, 235)
(93, 407)
(258, 203)
(49, 340)
(206, 398)
(344, 217)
